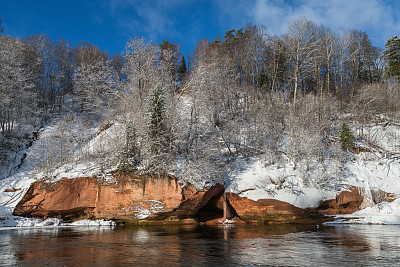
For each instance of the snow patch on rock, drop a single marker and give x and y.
(19, 222)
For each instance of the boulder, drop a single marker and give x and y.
(264, 210)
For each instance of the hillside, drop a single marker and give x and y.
(255, 177)
(296, 119)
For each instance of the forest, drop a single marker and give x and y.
(309, 96)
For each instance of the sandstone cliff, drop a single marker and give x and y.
(131, 198)
(127, 197)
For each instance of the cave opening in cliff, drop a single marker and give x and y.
(214, 209)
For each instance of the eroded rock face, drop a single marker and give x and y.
(271, 210)
(379, 196)
(264, 209)
(354, 199)
(346, 202)
(127, 197)
(133, 197)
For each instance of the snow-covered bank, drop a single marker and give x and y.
(284, 182)
(304, 184)
(19, 181)
(13, 187)
(255, 181)
(19, 222)
(382, 213)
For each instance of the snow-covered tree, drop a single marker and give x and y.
(95, 86)
(16, 96)
(129, 157)
(302, 43)
(157, 150)
(140, 70)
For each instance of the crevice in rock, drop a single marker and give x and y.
(217, 207)
(212, 210)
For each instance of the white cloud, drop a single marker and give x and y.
(149, 17)
(376, 17)
(159, 19)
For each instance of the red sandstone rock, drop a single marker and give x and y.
(345, 203)
(164, 198)
(350, 201)
(263, 208)
(128, 197)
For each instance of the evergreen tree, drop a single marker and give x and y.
(346, 137)
(158, 131)
(129, 157)
(230, 36)
(1, 27)
(182, 70)
(392, 57)
(157, 113)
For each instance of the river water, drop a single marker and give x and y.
(193, 245)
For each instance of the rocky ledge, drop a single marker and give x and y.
(143, 199)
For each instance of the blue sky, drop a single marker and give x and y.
(110, 24)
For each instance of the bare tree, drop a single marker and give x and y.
(95, 86)
(16, 96)
(140, 68)
(302, 43)
(342, 47)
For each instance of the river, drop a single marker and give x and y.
(194, 245)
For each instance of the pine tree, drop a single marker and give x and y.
(129, 157)
(392, 57)
(1, 27)
(346, 137)
(182, 70)
(158, 131)
(157, 113)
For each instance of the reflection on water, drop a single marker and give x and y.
(193, 245)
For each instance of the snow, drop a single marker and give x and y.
(385, 138)
(27, 173)
(373, 171)
(100, 144)
(380, 174)
(256, 181)
(142, 213)
(255, 178)
(15, 221)
(91, 223)
(19, 222)
(382, 213)
(24, 176)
